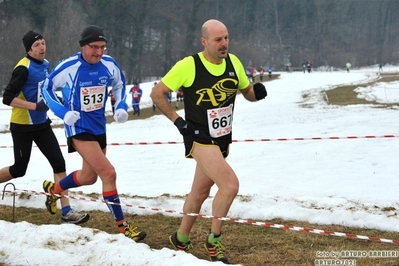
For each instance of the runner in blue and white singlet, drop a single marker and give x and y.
(84, 89)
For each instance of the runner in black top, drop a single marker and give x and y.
(210, 80)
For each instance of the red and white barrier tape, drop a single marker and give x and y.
(227, 219)
(238, 140)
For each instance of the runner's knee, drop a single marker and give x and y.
(109, 176)
(18, 170)
(90, 180)
(230, 188)
(58, 166)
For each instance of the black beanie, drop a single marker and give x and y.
(29, 38)
(90, 34)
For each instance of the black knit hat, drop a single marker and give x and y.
(90, 34)
(29, 38)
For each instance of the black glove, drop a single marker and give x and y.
(260, 91)
(183, 126)
(41, 106)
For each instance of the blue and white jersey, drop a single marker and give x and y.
(84, 88)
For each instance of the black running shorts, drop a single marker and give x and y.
(101, 139)
(203, 138)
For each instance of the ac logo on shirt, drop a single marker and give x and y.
(218, 94)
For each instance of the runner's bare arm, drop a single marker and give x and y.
(159, 99)
(248, 93)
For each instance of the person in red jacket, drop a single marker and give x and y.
(136, 96)
(309, 66)
(261, 73)
(111, 94)
(179, 97)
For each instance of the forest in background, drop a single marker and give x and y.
(147, 37)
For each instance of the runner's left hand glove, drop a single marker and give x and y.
(260, 91)
(183, 127)
(41, 106)
(71, 117)
(120, 115)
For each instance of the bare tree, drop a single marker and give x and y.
(13, 50)
(146, 37)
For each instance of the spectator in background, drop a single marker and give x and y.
(269, 70)
(84, 78)
(179, 97)
(380, 68)
(154, 107)
(287, 65)
(309, 66)
(136, 97)
(348, 66)
(253, 74)
(111, 95)
(304, 65)
(261, 72)
(29, 122)
(169, 97)
(248, 72)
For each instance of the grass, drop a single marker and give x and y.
(345, 95)
(249, 245)
(246, 244)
